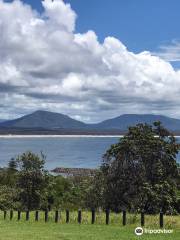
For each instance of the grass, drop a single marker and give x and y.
(31, 230)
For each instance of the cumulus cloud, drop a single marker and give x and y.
(46, 64)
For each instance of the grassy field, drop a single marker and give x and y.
(23, 230)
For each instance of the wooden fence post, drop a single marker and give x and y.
(5, 214)
(27, 215)
(46, 215)
(107, 216)
(67, 216)
(36, 216)
(11, 214)
(93, 216)
(19, 215)
(56, 216)
(142, 219)
(124, 218)
(161, 220)
(79, 216)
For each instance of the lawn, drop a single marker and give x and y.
(23, 230)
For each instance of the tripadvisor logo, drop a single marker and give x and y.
(138, 231)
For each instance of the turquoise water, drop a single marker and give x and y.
(60, 151)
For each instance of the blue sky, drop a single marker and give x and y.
(141, 25)
(92, 61)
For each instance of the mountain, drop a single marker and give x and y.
(2, 120)
(44, 120)
(124, 121)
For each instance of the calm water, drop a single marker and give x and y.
(60, 151)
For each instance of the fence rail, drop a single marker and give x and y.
(57, 217)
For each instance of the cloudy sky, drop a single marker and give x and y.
(90, 59)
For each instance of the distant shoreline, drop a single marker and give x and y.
(60, 136)
(65, 136)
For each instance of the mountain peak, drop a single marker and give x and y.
(45, 112)
(46, 120)
(126, 120)
(51, 120)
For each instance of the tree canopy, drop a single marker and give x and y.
(141, 170)
(32, 179)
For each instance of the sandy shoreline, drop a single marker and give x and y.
(61, 136)
(64, 136)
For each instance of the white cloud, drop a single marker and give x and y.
(170, 52)
(59, 14)
(44, 64)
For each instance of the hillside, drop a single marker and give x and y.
(2, 120)
(45, 122)
(124, 121)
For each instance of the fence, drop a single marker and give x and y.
(57, 219)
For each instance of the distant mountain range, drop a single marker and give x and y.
(44, 122)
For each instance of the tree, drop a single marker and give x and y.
(8, 197)
(12, 165)
(8, 175)
(94, 197)
(58, 188)
(141, 170)
(32, 180)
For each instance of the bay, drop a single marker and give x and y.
(60, 151)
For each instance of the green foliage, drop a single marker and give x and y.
(32, 180)
(8, 198)
(141, 170)
(68, 192)
(34, 188)
(95, 191)
(8, 188)
(8, 177)
(58, 188)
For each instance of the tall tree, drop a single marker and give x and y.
(141, 170)
(32, 180)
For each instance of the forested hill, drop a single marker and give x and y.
(50, 122)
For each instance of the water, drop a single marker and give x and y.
(61, 151)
